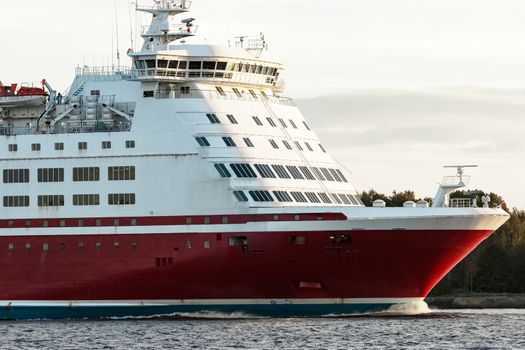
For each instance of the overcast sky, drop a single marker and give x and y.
(396, 88)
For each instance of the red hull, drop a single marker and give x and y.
(371, 264)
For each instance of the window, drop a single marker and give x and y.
(335, 175)
(254, 95)
(241, 197)
(82, 145)
(86, 174)
(243, 170)
(292, 124)
(306, 126)
(45, 247)
(232, 119)
(248, 142)
(220, 90)
(318, 174)
(298, 145)
(51, 175)
(11, 247)
(281, 172)
(209, 65)
(273, 143)
(130, 143)
(16, 201)
(213, 118)
(206, 244)
(322, 148)
(59, 146)
(35, 147)
(271, 122)
(95, 92)
(344, 198)
(183, 64)
(120, 173)
(299, 197)
(121, 198)
(283, 123)
(327, 174)
(307, 173)
(325, 198)
(335, 198)
(237, 241)
(309, 147)
(195, 65)
(263, 94)
(257, 121)
(202, 141)
(287, 145)
(106, 144)
(86, 199)
(265, 171)
(282, 196)
(261, 196)
(343, 178)
(221, 65)
(185, 90)
(222, 170)
(295, 172)
(229, 142)
(237, 92)
(51, 201)
(312, 197)
(14, 176)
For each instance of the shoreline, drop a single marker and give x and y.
(477, 301)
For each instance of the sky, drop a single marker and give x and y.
(395, 88)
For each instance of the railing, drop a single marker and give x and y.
(230, 96)
(182, 5)
(460, 203)
(182, 30)
(451, 181)
(103, 71)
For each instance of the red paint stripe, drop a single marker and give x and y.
(168, 220)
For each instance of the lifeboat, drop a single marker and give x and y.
(14, 96)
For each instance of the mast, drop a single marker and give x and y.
(163, 29)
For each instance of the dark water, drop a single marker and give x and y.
(463, 329)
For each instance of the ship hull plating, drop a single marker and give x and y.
(256, 273)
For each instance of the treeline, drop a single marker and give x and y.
(496, 266)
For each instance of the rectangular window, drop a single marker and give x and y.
(243, 170)
(325, 198)
(16, 201)
(299, 197)
(106, 144)
(59, 146)
(213, 118)
(222, 65)
(307, 173)
(121, 173)
(237, 92)
(318, 174)
(298, 145)
(51, 175)
(248, 142)
(14, 176)
(183, 64)
(312, 197)
(86, 199)
(220, 90)
(229, 142)
(295, 172)
(261, 196)
(265, 171)
(271, 122)
(287, 145)
(222, 170)
(12, 147)
(202, 141)
(121, 198)
(195, 65)
(257, 121)
(232, 119)
(82, 145)
(241, 197)
(341, 175)
(309, 147)
(51, 201)
(35, 147)
(292, 123)
(281, 172)
(86, 174)
(254, 95)
(335, 175)
(273, 143)
(185, 90)
(209, 65)
(327, 174)
(283, 123)
(282, 196)
(130, 144)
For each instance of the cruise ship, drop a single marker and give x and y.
(187, 183)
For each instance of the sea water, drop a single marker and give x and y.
(443, 329)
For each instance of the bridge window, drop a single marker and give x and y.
(222, 65)
(195, 65)
(183, 64)
(209, 65)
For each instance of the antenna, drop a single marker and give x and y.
(460, 170)
(131, 24)
(116, 32)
